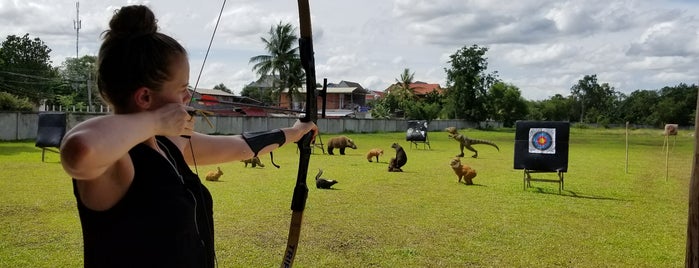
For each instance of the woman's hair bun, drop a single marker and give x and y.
(132, 21)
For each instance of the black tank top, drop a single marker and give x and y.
(163, 220)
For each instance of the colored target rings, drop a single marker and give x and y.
(542, 140)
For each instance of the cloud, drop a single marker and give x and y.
(670, 38)
(541, 46)
(538, 54)
(242, 25)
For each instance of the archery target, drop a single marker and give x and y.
(542, 140)
(542, 145)
(670, 130)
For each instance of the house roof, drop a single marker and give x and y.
(336, 90)
(420, 88)
(380, 94)
(344, 83)
(213, 92)
(424, 88)
(265, 81)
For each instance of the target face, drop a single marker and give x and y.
(542, 140)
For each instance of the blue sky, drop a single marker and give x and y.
(543, 47)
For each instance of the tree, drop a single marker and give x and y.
(386, 107)
(677, 105)
(295, 79)
(507, 103)
(595, 102)
(402, 87)
(283, 60)
(557, 108)
(262, 94)
(80, 88)
(25, 68)
(639, 107)
(402, 93)
(420, 110)
(468, 84)
(223, 88)
(9, 102)
(379, 110)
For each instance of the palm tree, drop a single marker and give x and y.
(283, 61)
(405, 92)
(295, 79)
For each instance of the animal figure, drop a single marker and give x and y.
(322, 183)
(463, 171)
(374, 153)
(214, 175)
(255, 161)
(340, 142)
(399, 161)
(465, 142)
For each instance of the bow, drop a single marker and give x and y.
(298, 201)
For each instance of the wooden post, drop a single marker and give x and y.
(667, 157)
(692, 251)
(626, 167)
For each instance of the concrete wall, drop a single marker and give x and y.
(23, 126)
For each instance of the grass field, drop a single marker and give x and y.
(422, 217)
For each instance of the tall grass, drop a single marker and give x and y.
(422, 217)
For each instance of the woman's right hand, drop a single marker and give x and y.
(173, 120)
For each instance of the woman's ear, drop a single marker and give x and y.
(143, 98)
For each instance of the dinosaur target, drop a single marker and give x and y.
(541, 145)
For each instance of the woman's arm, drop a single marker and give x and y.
(90, 148)
(212, 149)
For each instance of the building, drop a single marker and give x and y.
(342, 99)
(420, 89)
(224, 103)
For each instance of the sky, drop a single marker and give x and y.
(543, 47)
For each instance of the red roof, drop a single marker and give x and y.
(424, 88)
(421, 88)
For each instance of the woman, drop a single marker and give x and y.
(139, 203)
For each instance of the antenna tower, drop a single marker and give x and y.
(77, 26)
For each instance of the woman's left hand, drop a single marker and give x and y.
(305, 127)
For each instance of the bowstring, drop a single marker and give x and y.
(196, 84)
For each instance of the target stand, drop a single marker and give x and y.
(318, 144)
(670, 130)
(50, 132)
(542, 147)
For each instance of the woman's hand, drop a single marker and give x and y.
(173, 120)
(305, 127)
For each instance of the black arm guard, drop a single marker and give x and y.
(260, 139)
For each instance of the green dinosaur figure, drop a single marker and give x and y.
(465, 142)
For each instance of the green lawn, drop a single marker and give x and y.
(422, 217)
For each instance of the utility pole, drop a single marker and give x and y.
(77, 26)
(89, 91)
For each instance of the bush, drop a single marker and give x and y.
(9, 102)
(581, 126)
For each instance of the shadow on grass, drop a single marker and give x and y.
(567, 193)
(13, 149)
(475, 184)
(334, 189)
